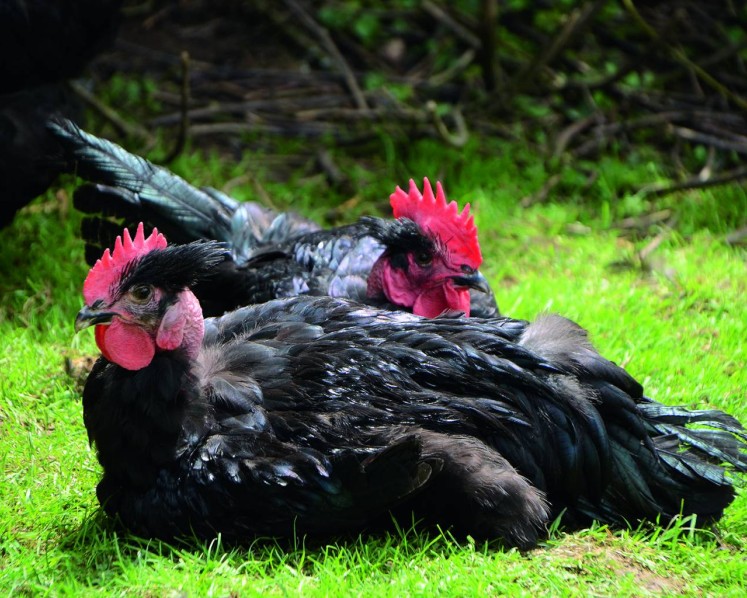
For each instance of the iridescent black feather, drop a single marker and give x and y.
(318, 415)
(268, 254)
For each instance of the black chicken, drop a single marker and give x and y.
(319, 415)
(425, 261)
(42, 43)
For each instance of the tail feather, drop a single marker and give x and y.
(100, 234)
(682, 416)
(681, 470)
(692, 467)
(168, 199)
(110, 209)
(228, 202)
(255, 227)
(726, 442)
(131, 189)
(665, 460)
(631, 459)
(714, 447)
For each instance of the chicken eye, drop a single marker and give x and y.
(423, 258)
(141, 293)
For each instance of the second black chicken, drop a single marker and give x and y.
(425, 260)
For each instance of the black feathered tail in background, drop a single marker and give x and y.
(131, 189)
(136, 189)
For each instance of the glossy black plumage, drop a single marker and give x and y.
(42, 43)
(30, 159)
(269, 254)
(319, 415)
(46, 41)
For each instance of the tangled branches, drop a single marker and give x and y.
(593, 74)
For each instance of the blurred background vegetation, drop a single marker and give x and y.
(614, 106)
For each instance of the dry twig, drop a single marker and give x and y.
(329, 45)
(694, 183)
(183, 133)
(123, 127)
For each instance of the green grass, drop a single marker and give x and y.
(678, 324)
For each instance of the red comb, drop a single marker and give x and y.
(107, 270)
(431, 213)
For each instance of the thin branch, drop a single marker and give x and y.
(577, 22)
(738, 237)
(645, 221)
(314, 129)
(274, 105)
(456, 68)
(652, 246)
(334, 175)
(183, 133)
(704, 138)
(541, 195)
(694, 183)
(123, 127)
(680, 56)
(332, 50)
(565, 137)
(461, 135)
(438, 13)
(492, 75)
(382, 114)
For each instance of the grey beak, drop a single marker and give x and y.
(89, 317)
(473, 281)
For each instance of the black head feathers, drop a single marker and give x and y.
(174, 268)
(399, 236)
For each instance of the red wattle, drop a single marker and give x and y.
(127, 345)
(433, 302)
(457, 299)
(100, 332)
